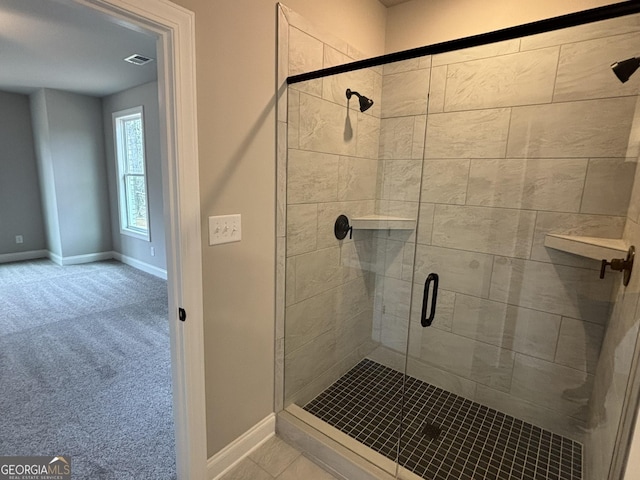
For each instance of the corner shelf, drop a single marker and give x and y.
(589, 247)
(382, 222)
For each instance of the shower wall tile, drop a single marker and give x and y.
(395, 297)
(303, 365)
(572, 224)
(462, 272)
(305, 52)
(368, 138)
(474, 53)
(280, 297)
(357, 178)
(352, 333)
(309, 319)
(396, 138)
(551, 386)
(445, 181)
(567, 291)
(293, 119)
(533, 184)
(290, 274)
(312, 177)
(583, 70)
(394, 252)
(302, 228)
(498, 231)
(633, 211)
(359, 255)
(419, 131)
(281, 180)
(443, 319)
(405, 93)
(393, 333)
(425, 223)
(401, 180)
(523, 330)
(327, 214)
(479, 134)
(553, 130)
(518, 79)
(608, 186)
(327, 127)
(481, 362)
(579, 344)
(437, 89)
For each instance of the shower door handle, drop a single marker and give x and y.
(432, 278)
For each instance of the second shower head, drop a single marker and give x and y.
(365, 103)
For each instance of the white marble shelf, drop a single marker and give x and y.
(590, 247)
(382, 222)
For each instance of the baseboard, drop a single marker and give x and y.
(145, 267)
(20, 256)
(79, 259)
(229, 456)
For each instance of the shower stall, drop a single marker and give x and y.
(445, 309)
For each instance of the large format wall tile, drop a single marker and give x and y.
(401, 180)
(309, 319)
(583, 70)
(357, 178)
(312, 177)
(334, 87)
(499, 231)
(445, 181)
(463, 272)
(607, 189)
(305, 52)
(396, 138)
(473, 134)
(531, 332)
(579, 344)
(303, 365)
(446, 380)
(534, 184)
(368, 138)
(405, 93)
(593, 128)
(568, 291)
(437, 89)
(302, 228)
(473, 53)
(518, 79)
(329, 212)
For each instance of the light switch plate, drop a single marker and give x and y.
(225, 229)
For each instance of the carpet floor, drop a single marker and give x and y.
(85, 368)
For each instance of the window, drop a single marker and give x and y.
(128, 127)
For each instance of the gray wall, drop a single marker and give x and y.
(70, 147)
(20, 207)
(147, 96)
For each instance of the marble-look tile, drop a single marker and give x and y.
(518, 79)
(302, 228)
(443, 319)
(446, 380)
(352, 332)
(355, 297)
(401, 180)
(281, 179)
(246, 470)
(401, 66)
(305, 52)
(481, 362)
(368, 138)
(357, 178)
(534, 184)
(302, 467)
(603, 28)
(290, 282)
(405, 93)
(498, 231)
(567, 291)
(572, 224)
(278, 374)
(393, 332)
(397, 208)
(425, 223)
(437, 89)
(334, 87)
(396, 138)
(523, 330)
(274, 456)
(633, 147)
(327, 127)
(393, 254)
(473, 134)
(607, 189)
(579, 344)
(582, 72)
(419, 132)
(302, 23)
(329, 212)
(360, 254)
(394, 297)
(474, 53)
(463, 272)
(592, 128)
(319, 271)
(293, 118)
(310, 318)
(445, 181)
(312, 177)
(550, 385)
(633, 212)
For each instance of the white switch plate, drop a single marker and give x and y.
(225, 229)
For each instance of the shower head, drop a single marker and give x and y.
(365, 103)
(625, 68)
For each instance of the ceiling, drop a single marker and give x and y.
(49, 43)
(391, 3)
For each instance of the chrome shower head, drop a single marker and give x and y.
(625, 68)
(365, 103)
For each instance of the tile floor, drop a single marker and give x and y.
(276, 459)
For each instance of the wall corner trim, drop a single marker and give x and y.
(232, 454)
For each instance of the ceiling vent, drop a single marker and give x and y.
(138, 59)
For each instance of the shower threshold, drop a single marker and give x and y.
(444, 436)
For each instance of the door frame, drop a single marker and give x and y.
(174, 28)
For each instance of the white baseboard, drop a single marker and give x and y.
(20, 256)
(242, 446)
(79, 259)
(145, 267)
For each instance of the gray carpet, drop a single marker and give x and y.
(85, 368)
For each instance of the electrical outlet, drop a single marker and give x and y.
(153, 251)
(225, 229)
(19, 239)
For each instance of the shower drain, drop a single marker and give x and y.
(431, 431)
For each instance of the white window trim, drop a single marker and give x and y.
(119, 158)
